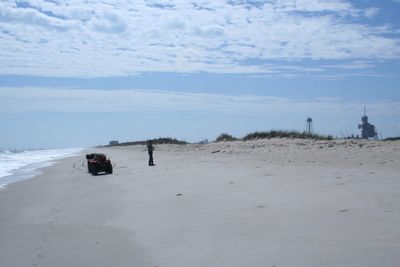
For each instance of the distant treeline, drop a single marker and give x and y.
(392, 138)
(161, 140)
(228, 137)
(251, 136)
(274, 134)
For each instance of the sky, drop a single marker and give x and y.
(80, 73)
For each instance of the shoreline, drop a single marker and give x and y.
(19, 165)
(254, 203)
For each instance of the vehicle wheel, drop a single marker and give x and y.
(89, 167)
(95, 170)
(110, 169)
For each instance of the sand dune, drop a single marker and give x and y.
(275, 202)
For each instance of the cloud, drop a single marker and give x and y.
(31, 99)
(103, 38)
(371, 12)
(352, 65)
(108, 22)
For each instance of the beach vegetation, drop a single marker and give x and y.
(274, 134)
(392, 138)
(158, 141)
(285, 134)
(225, 137)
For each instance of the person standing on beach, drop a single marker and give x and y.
(150, 149)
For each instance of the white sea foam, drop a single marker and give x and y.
(16, 165)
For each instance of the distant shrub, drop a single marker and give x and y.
(168, 140)
(259, 135)
(392, 138)
(225, 137)
(285, 134)
(160, 140)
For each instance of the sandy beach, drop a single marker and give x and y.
(277, 202)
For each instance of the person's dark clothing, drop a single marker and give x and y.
(150, 149)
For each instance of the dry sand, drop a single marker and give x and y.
(259, 203)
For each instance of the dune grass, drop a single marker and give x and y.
(274, 134)
(225, 137)
(158, 141)
(392, 138)
(285, 134)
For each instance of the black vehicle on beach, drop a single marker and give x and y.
(98, 163)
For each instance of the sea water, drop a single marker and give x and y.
(17, 165)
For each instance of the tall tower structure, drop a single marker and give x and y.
(309, 126)
(367, 130)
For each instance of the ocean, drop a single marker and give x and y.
(17, 165)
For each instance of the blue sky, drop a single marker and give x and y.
(81, 73)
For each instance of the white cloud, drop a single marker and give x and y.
(87, 100)
(371, 12)
(104, 38)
